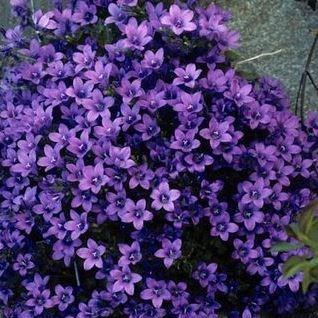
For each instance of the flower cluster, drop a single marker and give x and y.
(141, 176)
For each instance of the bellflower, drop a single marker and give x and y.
(163, 197)
(170, 251)
(91, 254)
(179, 20)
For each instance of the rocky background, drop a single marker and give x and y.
(283, 27)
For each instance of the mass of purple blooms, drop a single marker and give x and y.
(141, 175)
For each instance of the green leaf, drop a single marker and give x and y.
(310, 276)
(285, 247)
(307, 217)
(313, 235)
(294, 265)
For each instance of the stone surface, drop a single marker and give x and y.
(265, 26)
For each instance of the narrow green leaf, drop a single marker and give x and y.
(285, 247)
(307, 217)
(294, 265)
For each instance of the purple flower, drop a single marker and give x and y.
(79, 146)
(52, 158)
(129, 90)
(78, 225)
(170, 251)
(255, 193)
(217, 133)
(157, 292)
(240, 95)
(26, 163)
(140, 175)
(185, 141)
(153, 60)
(23, 264)
(63, 297)
(39, 301)
(92, 254)
(137, 214)
(124, 280)
(249, 215)
(79, 90)
(179, 20)
(222, 227)
(84, 14)
(130, 254)
(117, 14)
(205, 274)
(137, 36)
(93, 178)
(244, 251)
(163, 197)
(98, 105)
(148, 127)
(187, 76)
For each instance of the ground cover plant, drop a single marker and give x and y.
(141, 175)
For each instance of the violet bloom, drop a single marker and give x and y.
(130, 254)
(125, 280)
(136, 35)
(23, 264)
(26, 163)
(84, 59)
(259, 115)
(157, 292)
(140, 175)
(255, 193)
(52, 158)
(240, 95)
(187, 76)
(80, 146)
(190, 103)
(39, 301)
(185, 141)
(117, 14)
(130, 115)
(84, 13)
(244, 251)
(163, 197)
(63, 135)
(198, 162)
(33, 73)
(79, 90)
(249, 215)
(120, 157)
(170, 251)
(179, 20)
(149, 127)
(93, 178)
(217, 133)
(137, 214)
(78, 225)
(292, 282)
(153, 60)
(129, 90)
(205, 274)
(63, 297)
(92, 254)
(97, 105)
(101, 73)
(129, 3)
(222, 227)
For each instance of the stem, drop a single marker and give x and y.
(312, 81)
(260, 56)
(302, 86)
(77, 275)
